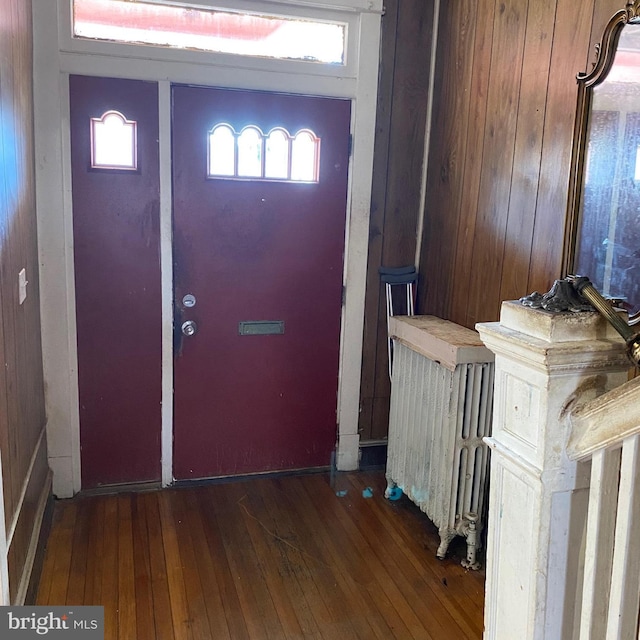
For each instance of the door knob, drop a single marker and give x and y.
(189, 328)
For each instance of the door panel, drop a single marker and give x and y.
(117, 281)
(256, 251)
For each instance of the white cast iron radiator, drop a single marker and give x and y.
(441, 406)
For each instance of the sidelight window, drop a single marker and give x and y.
(250, 154)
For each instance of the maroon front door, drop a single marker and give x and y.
(262, 260)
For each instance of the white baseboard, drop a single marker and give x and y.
(19, 597)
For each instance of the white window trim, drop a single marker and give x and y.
(56, 56)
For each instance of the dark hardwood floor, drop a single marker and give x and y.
(276, 558)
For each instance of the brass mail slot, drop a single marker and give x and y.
(261, 328)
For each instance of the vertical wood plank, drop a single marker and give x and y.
(396, 197)
(406, 140)
(569, 55)
(449, 126)
(510, 21)
(479, 53)
(528, 150)
(374, 308)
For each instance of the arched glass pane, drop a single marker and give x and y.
(304, 149)
(113, 142)
(222, 149)
(276, 163)
(250, 153)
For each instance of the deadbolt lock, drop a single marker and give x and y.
(189, 300)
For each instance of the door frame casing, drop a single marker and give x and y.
(56, 56)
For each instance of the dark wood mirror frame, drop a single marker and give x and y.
(587, 82)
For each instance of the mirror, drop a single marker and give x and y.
(603, 229)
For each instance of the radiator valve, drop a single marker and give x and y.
(467, 527)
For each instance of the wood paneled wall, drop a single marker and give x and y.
(407, 29)
(22, 415)
(498, 174)
(498, 164)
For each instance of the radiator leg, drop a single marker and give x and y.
(446, 536)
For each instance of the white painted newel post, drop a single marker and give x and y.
(538, 497)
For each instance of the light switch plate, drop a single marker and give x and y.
(22, 285)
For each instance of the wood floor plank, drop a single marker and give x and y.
(175, 578)
(126, 575)
(281, 558)
(221, 512)
(145, 623)
(62, 565)
(79, 551)
(95, 545)
(218, 557)
(49, 579)
(198, 619)
(109, 569)
(162, 610)
(208, 569)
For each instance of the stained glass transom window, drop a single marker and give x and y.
(251, 154)
(113, 142)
